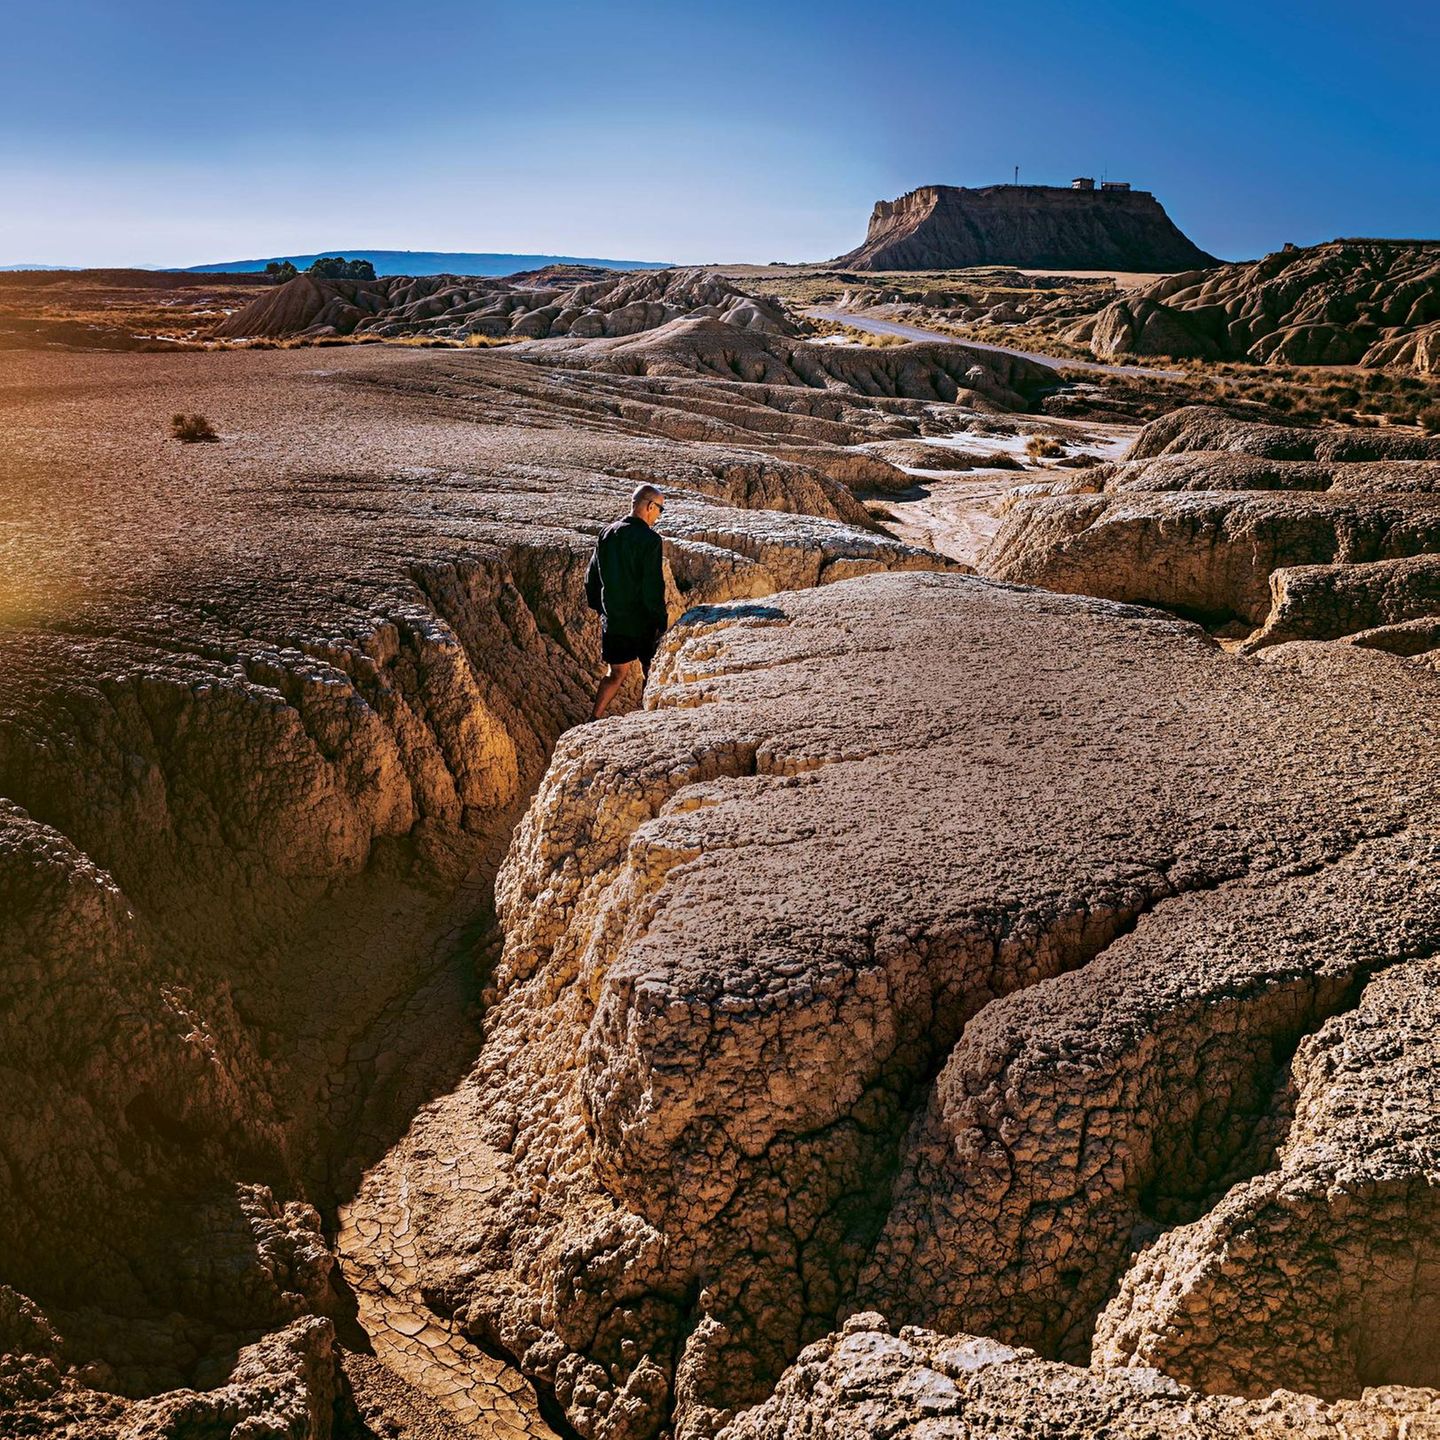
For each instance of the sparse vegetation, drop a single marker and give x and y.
(192, 429)
(281, 270)
(1032, 318)
(1044, 447)
(130, 310)
(1429, 419)
(1281, 394)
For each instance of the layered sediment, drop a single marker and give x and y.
(712, 1115)
(269, 710)
(520, 307)
(1278, 532)
(949, 227)
(929, 957)
(1346, 302)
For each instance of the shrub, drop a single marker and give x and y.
(281, 270)
(1429, 419)
(192, 428)
(1043, 447)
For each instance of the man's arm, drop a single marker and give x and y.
(652, 588)
(592, 581)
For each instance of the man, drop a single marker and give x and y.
(626, 585)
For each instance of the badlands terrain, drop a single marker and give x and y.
(985, 986)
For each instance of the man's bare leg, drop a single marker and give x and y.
(608, 686)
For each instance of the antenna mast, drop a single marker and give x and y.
(1017, 174)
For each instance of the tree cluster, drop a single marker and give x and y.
(327, 267)
(337, 267)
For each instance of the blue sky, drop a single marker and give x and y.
(159, 132)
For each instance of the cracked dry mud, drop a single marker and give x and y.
(869, 966)
(270, 709)
(938, 987)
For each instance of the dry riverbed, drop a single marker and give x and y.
(958, 512)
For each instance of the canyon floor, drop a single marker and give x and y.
(984, 986)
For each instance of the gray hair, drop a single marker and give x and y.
(644, 494)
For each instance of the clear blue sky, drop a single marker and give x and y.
(181, 131)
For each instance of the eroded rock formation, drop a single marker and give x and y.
(269, 709)
(1003, 961)
(455, 307)
(869, 1380)
(688, 1148)
(1347, 302)
(946, 227)
(1346, 1224)
(1282, 532)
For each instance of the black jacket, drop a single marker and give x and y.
(626, 582)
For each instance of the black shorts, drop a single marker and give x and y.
(622, 649)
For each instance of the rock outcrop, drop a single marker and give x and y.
(945, 373)
(1044, 1012)
(268, 710)
(945, 227)
(1347, 302)
(1126, 1095)
(1346, 1224)
(869, 1380)
(282, 1387)
(1286, 532)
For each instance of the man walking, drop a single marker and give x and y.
(626, 585)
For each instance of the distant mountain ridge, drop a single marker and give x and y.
(428, 262)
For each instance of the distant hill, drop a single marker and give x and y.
(428, 262)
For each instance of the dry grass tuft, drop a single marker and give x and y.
(1044, 447)
(192, 429)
